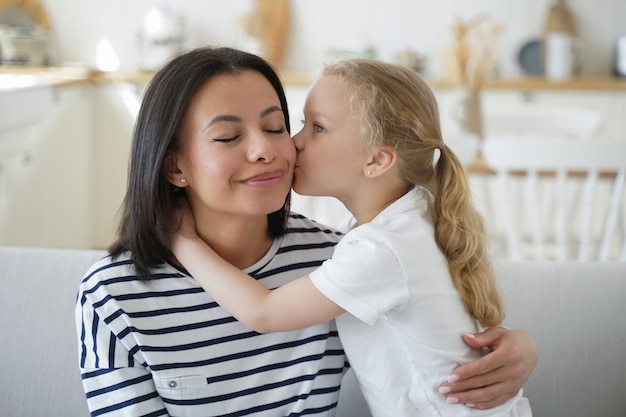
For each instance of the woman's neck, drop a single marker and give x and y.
(241, 241)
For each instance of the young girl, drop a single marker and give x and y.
(411, 275)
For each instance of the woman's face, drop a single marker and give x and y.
(330, 150)
(236, 156)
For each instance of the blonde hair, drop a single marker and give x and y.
(398, 109)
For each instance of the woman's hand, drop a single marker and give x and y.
(499, 375)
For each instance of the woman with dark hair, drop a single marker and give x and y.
(214, 126)
(157, 133)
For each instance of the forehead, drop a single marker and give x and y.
(328, 86)
(327, 95)
(234, 92)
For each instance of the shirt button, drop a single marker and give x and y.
(172, 384)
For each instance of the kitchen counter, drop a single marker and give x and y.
(33, 76)
(59, 76)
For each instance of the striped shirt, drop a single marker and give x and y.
(164, 347)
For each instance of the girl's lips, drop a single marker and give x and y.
(265, 179)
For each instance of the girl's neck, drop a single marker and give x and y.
(366, 206)
(241, 241)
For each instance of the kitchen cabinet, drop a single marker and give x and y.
(115, 110)
(64, 184)
(610, 105)
(47, 184)
(602, 102)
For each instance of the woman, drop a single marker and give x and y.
(151, 341)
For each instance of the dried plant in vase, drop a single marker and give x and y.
(33, 8)
(471, 58)
(470, 61)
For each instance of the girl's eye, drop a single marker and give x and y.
(318, 128)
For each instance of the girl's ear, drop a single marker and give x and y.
(381, 159)
(172, 172)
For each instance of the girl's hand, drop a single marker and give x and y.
(179, 228)
(187, 224)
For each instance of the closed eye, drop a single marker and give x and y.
(277, 131)
(227, 140)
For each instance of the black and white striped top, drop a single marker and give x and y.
(164, 347)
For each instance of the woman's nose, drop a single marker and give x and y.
(261, 148)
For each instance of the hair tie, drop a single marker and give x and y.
(437, 154)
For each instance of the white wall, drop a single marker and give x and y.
(320, 25)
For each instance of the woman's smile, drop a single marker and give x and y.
(266, 179)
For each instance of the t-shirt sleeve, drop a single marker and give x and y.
(364, 276)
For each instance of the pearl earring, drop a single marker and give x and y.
(183, 180)
(369, 173)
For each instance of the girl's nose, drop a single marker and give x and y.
(298, 140)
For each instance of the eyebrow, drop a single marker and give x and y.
(231, 118)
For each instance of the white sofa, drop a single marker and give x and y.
(576, 311)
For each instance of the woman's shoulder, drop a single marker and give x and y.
(108, 266)
(118, 273)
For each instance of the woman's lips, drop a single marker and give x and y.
(265, 179)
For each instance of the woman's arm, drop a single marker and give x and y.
(499, 375)
(296, 305)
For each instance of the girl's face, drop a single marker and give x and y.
(330, 150)
(236, 156)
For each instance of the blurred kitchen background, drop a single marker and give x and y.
(72, 73)
(317, 27)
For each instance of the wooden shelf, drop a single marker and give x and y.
(59, 75)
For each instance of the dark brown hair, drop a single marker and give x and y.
(149, 194)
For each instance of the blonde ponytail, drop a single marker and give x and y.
(459, 232)
(397, 108)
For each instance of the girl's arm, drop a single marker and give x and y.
(296, 305)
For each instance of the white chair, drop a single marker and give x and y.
(555, 199)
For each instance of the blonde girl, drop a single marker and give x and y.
(410, 276)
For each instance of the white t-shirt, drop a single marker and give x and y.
(404, 321)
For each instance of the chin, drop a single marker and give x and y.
(304, 190)
(299, 187)
(272, 203)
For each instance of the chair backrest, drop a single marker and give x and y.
(557, 199)
(535, 120)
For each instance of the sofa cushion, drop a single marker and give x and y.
(576, 312)
(38, 353)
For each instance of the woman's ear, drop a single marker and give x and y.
(381, 160)
(172, 172)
